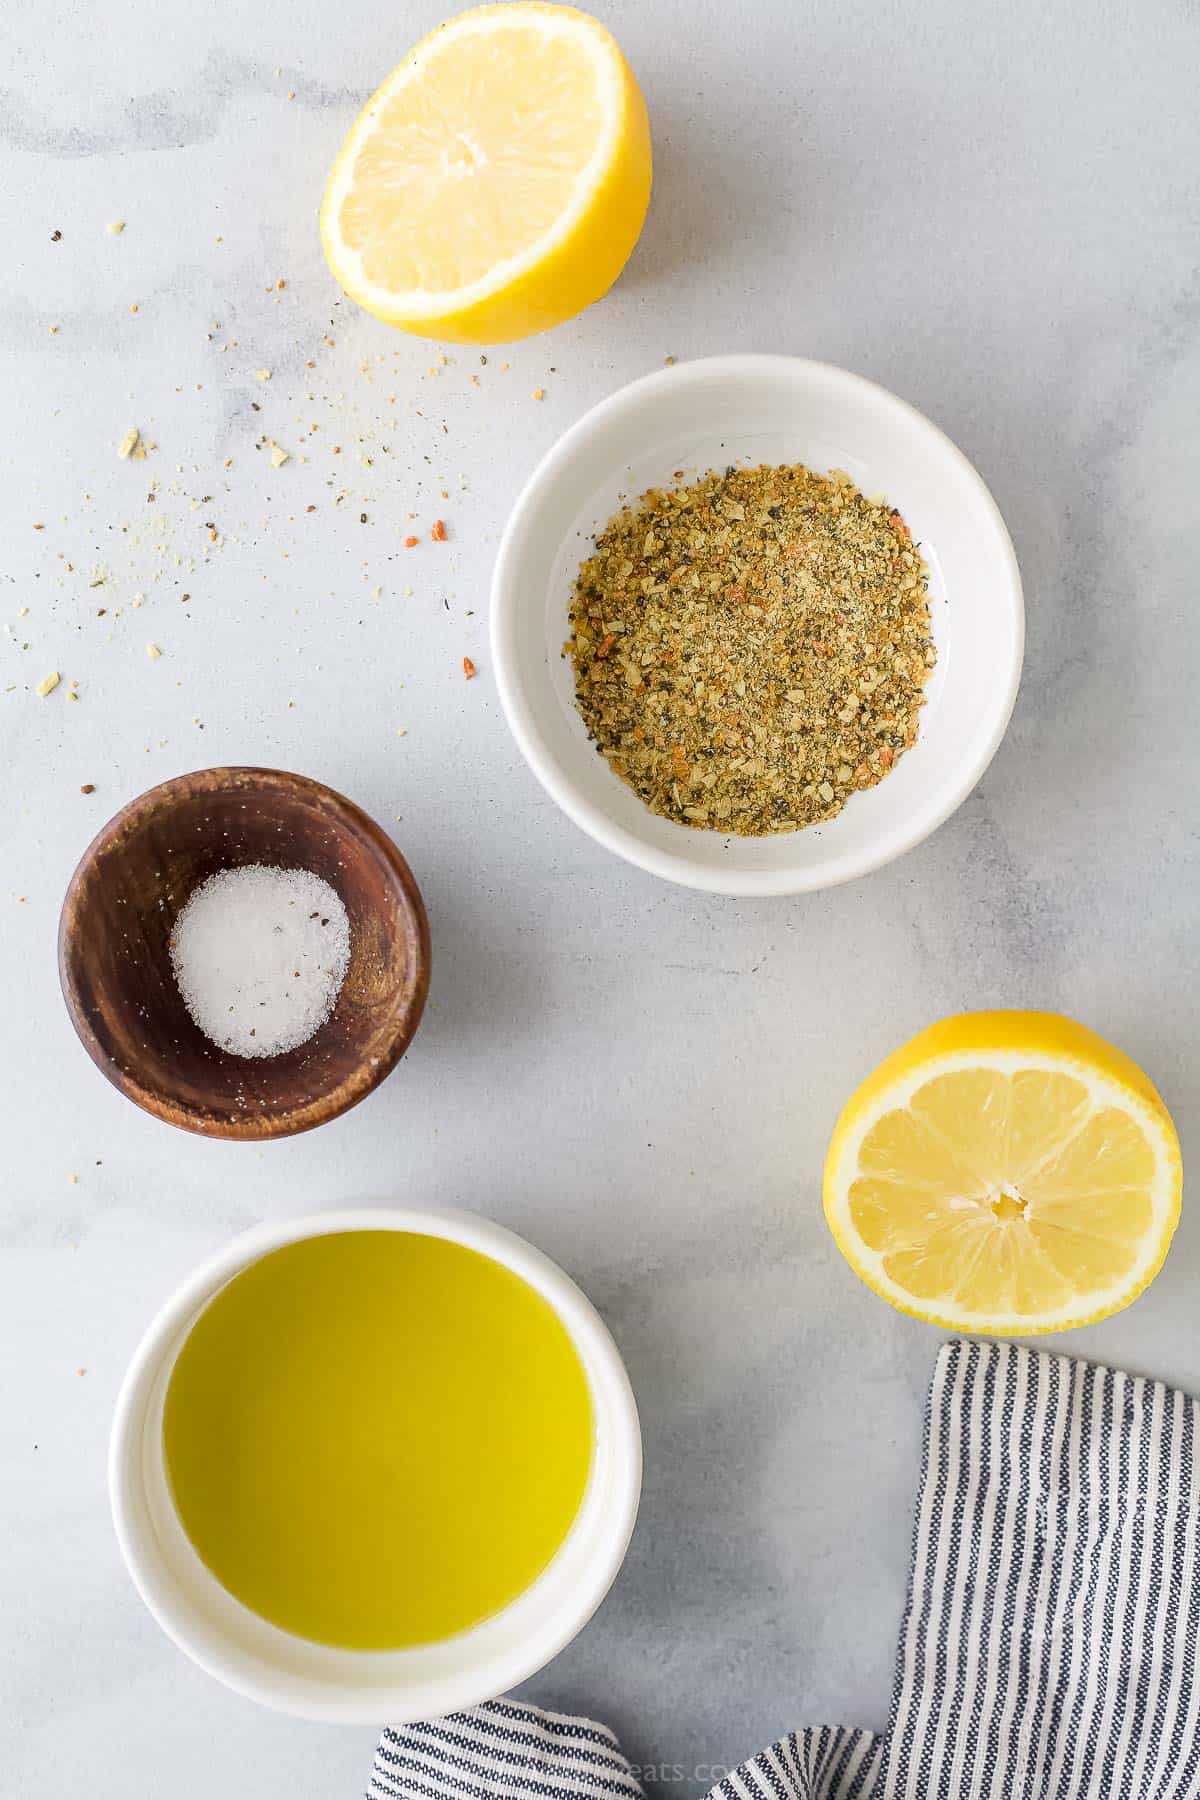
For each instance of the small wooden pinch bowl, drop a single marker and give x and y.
(115, 964)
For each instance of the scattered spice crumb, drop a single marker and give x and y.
(129, 443)
(153, 652)
(262, 374)
(539, 393)
(411, 542)
(115, 227)
(48, 683)
(56, 237)
(438, 534)
(468, 667)
(89, 787)
(279, 456)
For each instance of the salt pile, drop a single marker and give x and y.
(260, 955)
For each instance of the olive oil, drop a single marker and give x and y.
(376, 1439)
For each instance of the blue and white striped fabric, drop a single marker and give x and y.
(502, 1751)
(1049, 1644)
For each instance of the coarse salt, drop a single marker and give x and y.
(259, 955)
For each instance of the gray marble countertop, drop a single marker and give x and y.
(992, 211)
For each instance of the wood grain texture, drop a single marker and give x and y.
(115, 966)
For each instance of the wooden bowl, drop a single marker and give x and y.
(115, 964)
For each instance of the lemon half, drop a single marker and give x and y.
(497, 182)
(1006, 1173)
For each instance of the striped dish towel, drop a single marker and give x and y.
(1049, 1644)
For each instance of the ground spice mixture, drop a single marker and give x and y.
(752, 647)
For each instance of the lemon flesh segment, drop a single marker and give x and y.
(497, 181)
(505, 168)
(989, 1196)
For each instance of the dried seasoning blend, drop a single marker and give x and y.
(752, 647)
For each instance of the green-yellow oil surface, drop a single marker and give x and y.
(376, 1439)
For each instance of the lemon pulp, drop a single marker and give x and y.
(498, 180)
(377, 1439)
(1005, 1172)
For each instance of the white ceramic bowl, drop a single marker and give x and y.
(371, 1687)
(778, 409)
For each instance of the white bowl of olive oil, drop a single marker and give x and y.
(731, 413)
(375, 1466)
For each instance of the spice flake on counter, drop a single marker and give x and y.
(469, 669)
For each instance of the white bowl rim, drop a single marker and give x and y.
(432, 1697)
(506, 599)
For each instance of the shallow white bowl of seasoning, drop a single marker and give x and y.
(372, 1687)
(749, 410)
